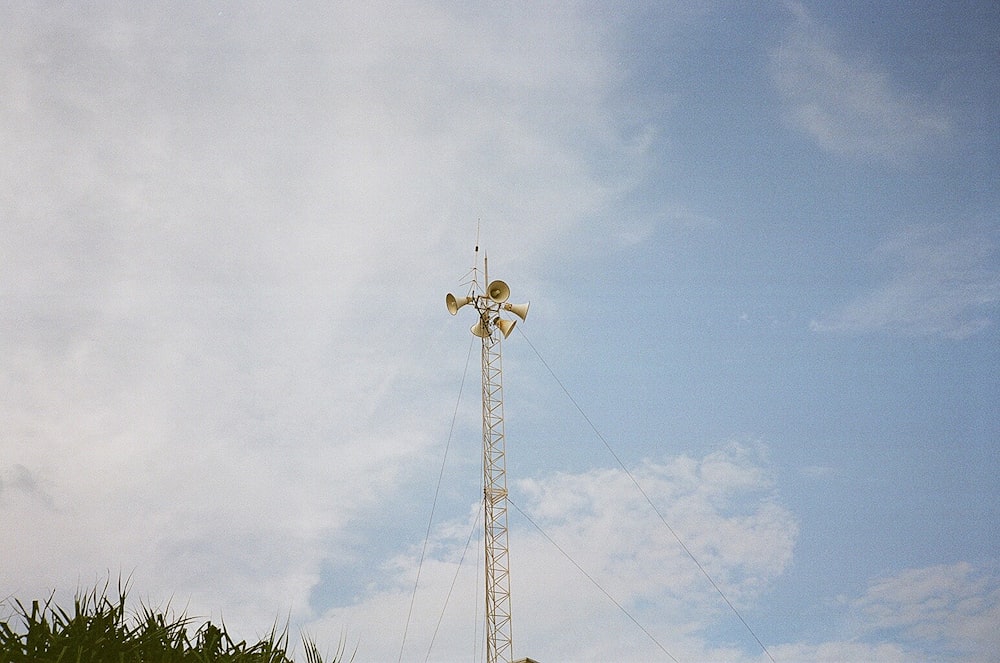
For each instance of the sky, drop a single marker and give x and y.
(761, 244)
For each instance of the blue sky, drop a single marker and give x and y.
(762, 250)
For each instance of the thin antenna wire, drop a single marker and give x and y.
(647, 498)
(475, 526)
(437, 490)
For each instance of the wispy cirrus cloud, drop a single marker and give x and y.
(941, 282)
(952, 608)
(945, 612)
(848, 105)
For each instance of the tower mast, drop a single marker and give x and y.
(491, 328)
(498, 636)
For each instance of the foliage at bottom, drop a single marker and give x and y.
(100, 630)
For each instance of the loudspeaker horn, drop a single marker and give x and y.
(520, 310)
(506, 326)
(454, 303)
(498, 291)
(479, 330)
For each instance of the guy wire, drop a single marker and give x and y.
(437, 490)
(646, 497)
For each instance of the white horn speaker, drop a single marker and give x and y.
(506, 326)
(498, 291)
(479, 330)
(454, 303)
(520, 310)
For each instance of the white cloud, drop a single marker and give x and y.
(952, 608)
(942, 282)
(843, 652)
(846, 104)
(722, 505)
(944, 612)
(227, 235)
(725, 508)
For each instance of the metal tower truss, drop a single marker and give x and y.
(498, 626)
(491, 328)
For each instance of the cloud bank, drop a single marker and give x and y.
(224, 229)
(593, 542)
(722, 505)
